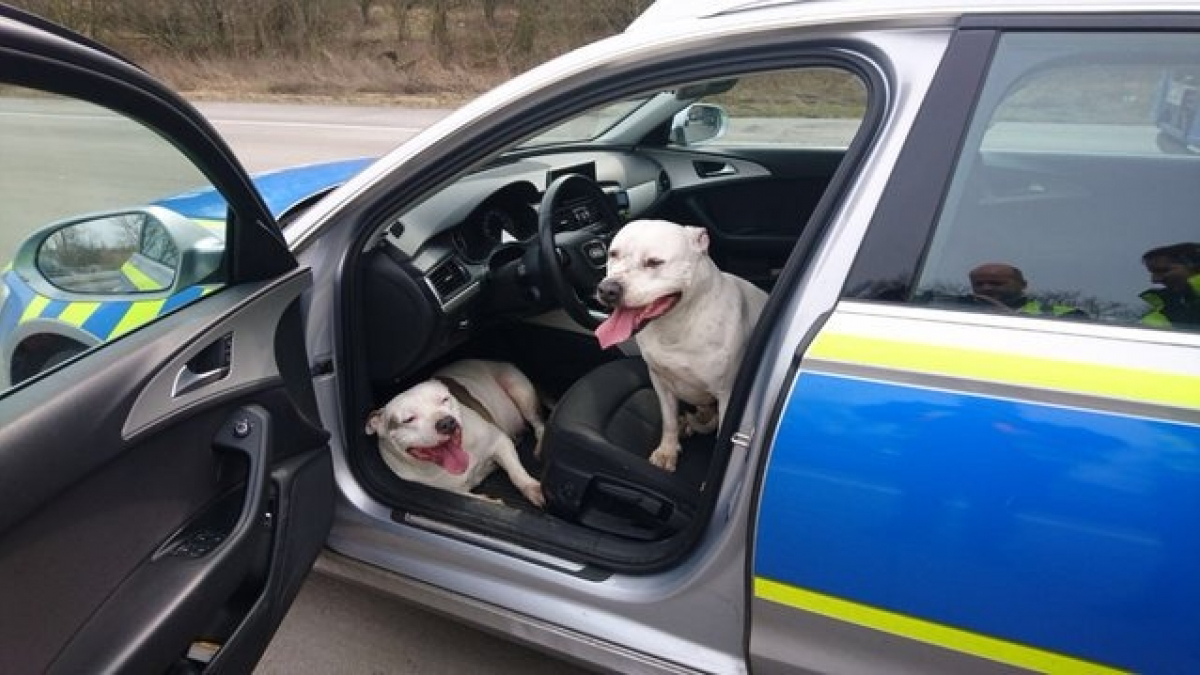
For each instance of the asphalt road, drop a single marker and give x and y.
(338, 628)
(264, 136)
(268, 136)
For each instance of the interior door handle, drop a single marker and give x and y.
(211, 364)
(708, 169)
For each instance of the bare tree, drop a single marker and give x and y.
(617, 14)
(525, 33)
(439, 30)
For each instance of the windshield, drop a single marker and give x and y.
(588, 125)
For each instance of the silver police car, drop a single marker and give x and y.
(965, 435)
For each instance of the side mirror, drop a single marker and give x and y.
(132, 251)
(699, 123)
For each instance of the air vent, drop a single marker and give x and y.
(448, 279)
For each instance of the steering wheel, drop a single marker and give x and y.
(576, 220)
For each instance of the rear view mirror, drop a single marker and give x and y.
(126, 252)
(132, 251)
(699, 123)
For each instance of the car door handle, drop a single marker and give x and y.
(706, 169)
(212, 364)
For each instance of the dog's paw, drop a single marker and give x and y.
(665, 458)
(533, 492)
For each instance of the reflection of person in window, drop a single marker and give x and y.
(1176, 269)
(1002, 286)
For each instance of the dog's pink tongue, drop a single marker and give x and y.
(617, 327)
(449, 455)
(625, 320)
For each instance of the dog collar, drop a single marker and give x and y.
(464, 397)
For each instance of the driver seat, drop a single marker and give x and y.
(595, 450)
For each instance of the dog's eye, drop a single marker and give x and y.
(613, 254)
(652, 263)
(445, 400)
(409, 420)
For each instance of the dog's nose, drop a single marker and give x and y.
(609, 292)
(446, 425)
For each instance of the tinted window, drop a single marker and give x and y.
(1079, 160)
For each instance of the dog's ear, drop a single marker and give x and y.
(374, 422)
(698, 237)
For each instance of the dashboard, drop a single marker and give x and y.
(499, 221)
(469, 231)
(467, 255)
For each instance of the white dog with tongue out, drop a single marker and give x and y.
(690, 321)
(452, 430)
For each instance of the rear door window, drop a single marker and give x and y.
(1075, 195)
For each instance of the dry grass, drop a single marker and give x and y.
(415, 51)
(393, 52)
(330, 79)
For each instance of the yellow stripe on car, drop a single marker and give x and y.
(928, 632)
(34, 309)
(78, 312)
(138, 314)
(215, 226)
(138, 278)
(1133, 384)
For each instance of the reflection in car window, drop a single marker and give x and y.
(1077, 163)
(88, 248)
(157, 245)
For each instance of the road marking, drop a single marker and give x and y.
(314, 125)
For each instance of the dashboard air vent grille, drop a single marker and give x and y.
(449, 278)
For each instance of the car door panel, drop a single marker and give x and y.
(147, 521)
(999, 479)
(974, 494)
(754, 204)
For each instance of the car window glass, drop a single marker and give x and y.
(1080, 159)
(586, 126)
(807, 108)
(101, 229)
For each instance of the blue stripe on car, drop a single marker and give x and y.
(280, 189)
(18, 297)
(181, 298)
(106, 317)
(20, 291)
(1005, 518)
(54, 308)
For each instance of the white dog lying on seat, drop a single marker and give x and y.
(452, 430)
(691, 322)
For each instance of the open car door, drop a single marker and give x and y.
(164, 481)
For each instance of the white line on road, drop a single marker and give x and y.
(231, 122)
(314, 125)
